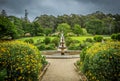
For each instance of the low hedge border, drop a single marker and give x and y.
(82, 76)
(43, 71)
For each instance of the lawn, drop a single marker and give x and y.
(34, 38)
(80, 38)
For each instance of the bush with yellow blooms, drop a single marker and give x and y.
(20, 61)
(101, 61)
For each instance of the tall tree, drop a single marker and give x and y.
(64, 27)
(7, 29)
(3, 13)
(77, 30)
(94, 26)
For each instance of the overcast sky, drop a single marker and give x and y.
(58, 7)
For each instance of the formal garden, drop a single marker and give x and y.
(97, 36)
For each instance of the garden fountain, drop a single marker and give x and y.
(62, 47)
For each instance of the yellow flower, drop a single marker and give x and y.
(3, 49)
(110, 56)
(20, 77)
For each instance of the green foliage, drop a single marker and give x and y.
(77, 29)
(37, 29)
(21, 61)
(3, 74)
(114, 36)
(68, 41)
(43, 60)
(18, 25)
(73, 47)
(31, 41)
(101, 61)
(41, 46)
(84, 31)
(118, 36)
(50, 47)
(89, 40)
(47, 31)
(56, 41)
(64, 27)
(47, 40)
(7, 29)
(84, 45)
(98, 38)
(94, 26)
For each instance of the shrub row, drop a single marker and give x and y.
(115, 36)
(98, 38)
(19, 61)
(101, 62)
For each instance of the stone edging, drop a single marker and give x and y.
(82, 76)
(43, 72)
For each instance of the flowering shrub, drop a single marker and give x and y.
(21, 61)
(101, 62)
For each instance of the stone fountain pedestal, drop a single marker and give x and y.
(62, 47)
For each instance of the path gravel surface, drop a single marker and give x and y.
(61, 70)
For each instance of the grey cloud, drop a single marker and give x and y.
(58, 7)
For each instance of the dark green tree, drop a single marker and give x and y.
(3, 13)
(94, 26)
(77, 30)
(7, 29)
(64, 27)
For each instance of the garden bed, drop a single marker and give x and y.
(43, 71)
(82, 76)
(69, 52)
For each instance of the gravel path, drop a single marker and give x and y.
(61, 70)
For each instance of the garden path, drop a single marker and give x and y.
(61, 70)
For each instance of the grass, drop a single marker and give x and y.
(34, 38)
(80, 38)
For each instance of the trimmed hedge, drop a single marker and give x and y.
(115, 36)
(31, 41)
(47, 40)
(101, 62)
(20, 61)
(98, 38)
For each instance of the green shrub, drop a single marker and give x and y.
(84, 45)
(75, 41)
(68, 41)
(21, 61)
(98, 38)
(41, 46)
(50, 47)
(101, 62)
(73, 47)
(31, 41)
(47, 40)
(43, 60)
(56, 41)
(3, 74)
(39, 41)
(40, 34)
(89, 40)
(118, 36)
(114, 36)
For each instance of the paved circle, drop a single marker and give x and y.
(61, 70)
